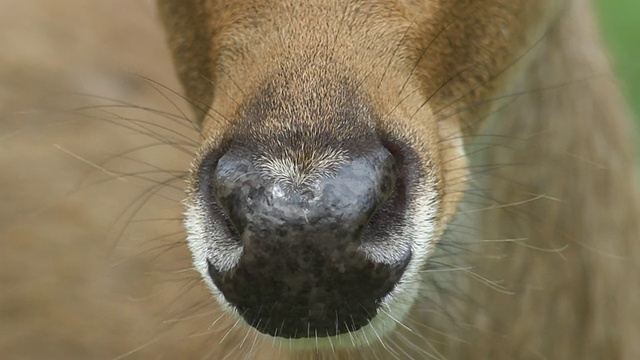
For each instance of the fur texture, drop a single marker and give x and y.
(498, 99)
(508, 108)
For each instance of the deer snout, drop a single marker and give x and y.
(301, 271)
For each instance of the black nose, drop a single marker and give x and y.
(301, 272)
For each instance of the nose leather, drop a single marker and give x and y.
(301, 273)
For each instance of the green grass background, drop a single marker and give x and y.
(620, 23)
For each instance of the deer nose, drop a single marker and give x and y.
(301, 272)
(259, 199)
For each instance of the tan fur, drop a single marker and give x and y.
(556, 188)
(523, 128)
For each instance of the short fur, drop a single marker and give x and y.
(510, 107)
(507, 109)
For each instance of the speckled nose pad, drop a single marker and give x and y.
(301, 272)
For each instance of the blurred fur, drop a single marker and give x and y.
(511, 103)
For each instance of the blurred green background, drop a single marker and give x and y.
(620, 22)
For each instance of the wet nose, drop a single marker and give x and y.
(259, 199)
(301, 273)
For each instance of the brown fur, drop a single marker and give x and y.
(419, 61)
(539, 221)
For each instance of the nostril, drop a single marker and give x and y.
(300, 230)
(228, 173)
